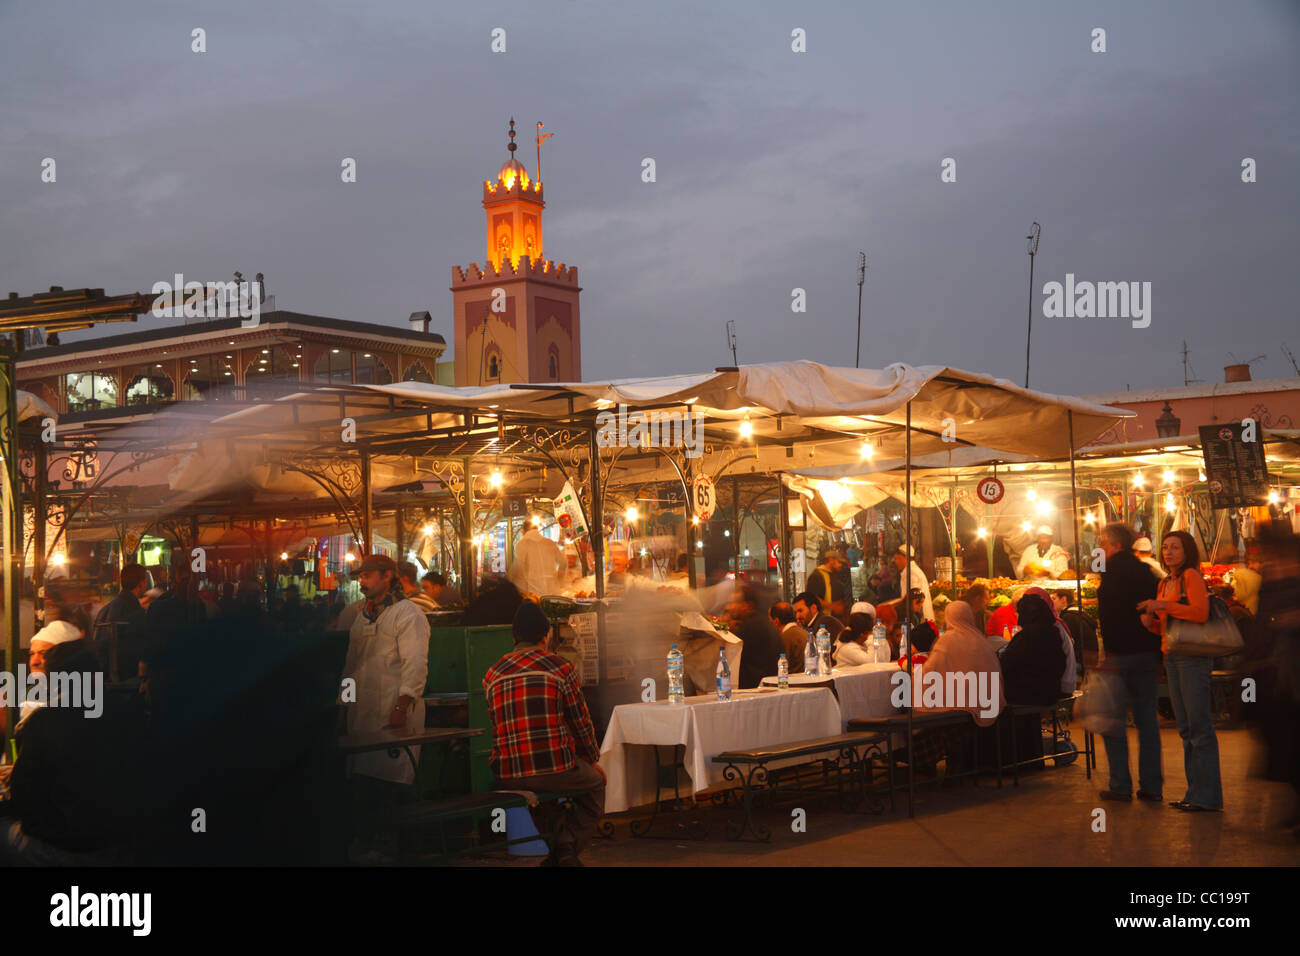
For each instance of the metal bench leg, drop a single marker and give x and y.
(756, 777)
(1015, 753)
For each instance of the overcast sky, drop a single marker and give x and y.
(773, 169)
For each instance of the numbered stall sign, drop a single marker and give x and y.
(704, 496)
(990, 490)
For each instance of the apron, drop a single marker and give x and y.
(375, 664)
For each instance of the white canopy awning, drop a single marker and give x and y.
(831, 410)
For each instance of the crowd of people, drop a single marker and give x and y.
(1041, 644)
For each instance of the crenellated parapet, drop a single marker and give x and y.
(524, 268)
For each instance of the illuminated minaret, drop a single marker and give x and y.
(516, 319)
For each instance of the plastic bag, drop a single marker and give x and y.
(1101, 708)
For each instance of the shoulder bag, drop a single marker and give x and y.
(1217, 636)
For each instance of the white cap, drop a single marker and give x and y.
(57, 632)
(1045, 530)
(862, 607)
(1142, 544)
(905, 550)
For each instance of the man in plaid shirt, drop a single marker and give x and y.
(544, 739)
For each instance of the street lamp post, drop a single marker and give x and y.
(1034, 231)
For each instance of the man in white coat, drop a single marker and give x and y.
(1043, 559)
(539, 562)
(903, 559)
(388, 659)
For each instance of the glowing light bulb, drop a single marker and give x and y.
(1170, 504)
(1031, 495)
(695, 519)
(1089, 518)
(981, 532)
(1044, 508)
(284, 555)
(699, 544)
(1273, 498)
(536, 520)
(428, 530)
(1169, 476)
(1025, 526)
(1200, 476)
(867, 451)
(349, 556)
(747, 552)
(60, 560)
(1138, 480)
(495, 479)
(726, 533)
(643, 552)
(631, 514)
(746, 428)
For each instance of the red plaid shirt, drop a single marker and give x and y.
(539, 716)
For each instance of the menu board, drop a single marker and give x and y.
(1235, 471)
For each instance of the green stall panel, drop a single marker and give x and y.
(484, 646)
(446, 660)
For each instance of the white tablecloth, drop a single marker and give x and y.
(863, 690)
(706, 727)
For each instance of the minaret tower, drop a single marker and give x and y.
(516, 319)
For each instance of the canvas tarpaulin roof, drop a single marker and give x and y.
(831, 409)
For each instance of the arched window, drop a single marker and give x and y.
(334, 366)
(371, 370)
(206, 376)
(553, 363)
(416, 372)
(276, 363)
(494, 367)
(148, 386)
(87, 391)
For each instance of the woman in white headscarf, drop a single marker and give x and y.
(963, 649)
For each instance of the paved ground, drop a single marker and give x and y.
(1046, 821)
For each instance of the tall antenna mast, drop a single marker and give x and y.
(1290, 356)
(1034, 232)
(862, 277)
(1188, 372)
(731, 340)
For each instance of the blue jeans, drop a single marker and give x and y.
(1140, 675)
(1189, 692)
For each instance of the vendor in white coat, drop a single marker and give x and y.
(1043, 559)
(539, 563)
(903, 559)
(388, 658)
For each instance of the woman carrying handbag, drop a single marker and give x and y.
(1181, 614)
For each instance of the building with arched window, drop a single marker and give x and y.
(223, 360)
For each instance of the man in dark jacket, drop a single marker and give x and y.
(1133, 655)
(127, 618)
(762, 645)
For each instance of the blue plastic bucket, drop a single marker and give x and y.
(519, 824)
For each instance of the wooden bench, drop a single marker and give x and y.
(750, 768)
(474, 806)
(923, 720)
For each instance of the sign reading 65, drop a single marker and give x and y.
(704, 497)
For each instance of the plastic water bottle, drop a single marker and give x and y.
(783, 673)
(724, 676)
(880, 643)
(676, 668)
(810, 656)
(902, 640)
(823, 651)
